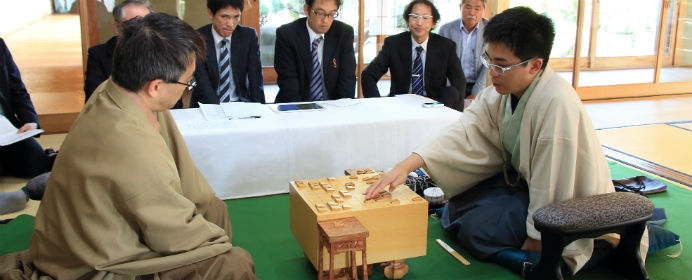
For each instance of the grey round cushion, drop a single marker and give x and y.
(593, 212)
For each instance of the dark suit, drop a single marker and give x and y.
(25, 158)
(293, 62)
(441, 64)
(246, 66)
(99, 65)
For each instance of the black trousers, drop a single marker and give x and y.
(24, 159)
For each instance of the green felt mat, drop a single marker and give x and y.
(261, 226)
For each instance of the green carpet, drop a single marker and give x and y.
(261, 226)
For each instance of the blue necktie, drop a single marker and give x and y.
(316, 80)
(417, 73)
(224, 72)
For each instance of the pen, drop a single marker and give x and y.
(250, 117)
(452, 252)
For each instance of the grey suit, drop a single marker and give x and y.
(452, 31)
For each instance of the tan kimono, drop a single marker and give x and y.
(123, 199)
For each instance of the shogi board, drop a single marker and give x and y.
(398, 224)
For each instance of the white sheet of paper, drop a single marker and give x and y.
(9, 135)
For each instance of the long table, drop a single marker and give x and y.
(245, 157)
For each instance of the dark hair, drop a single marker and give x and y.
(157, 46)
(409, 8)
(118, 9)
(216, 5)
(527, 33)
(311, 2)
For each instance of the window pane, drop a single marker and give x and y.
(628, 29)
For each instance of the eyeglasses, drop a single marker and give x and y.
(189, 87)
(324, 14)
(413, 17)
(499, 69)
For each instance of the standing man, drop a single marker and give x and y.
(526, 142)
(25, 158)
(420, 62)
(129, 199)
(467, 32)
(100, 57)
(232, 70)
(314, 57)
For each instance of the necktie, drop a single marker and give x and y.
(417, 73)
(224, 72)
(316, 80)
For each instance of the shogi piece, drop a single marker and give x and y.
(398, 223)
(344, 235)
(590, 217)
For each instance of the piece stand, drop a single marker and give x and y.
(395, 269)
(344, 235)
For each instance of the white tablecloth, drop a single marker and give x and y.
(260, 156)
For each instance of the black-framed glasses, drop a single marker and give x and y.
(189, 87)
(419, 17)
(497, 69)
(323, 14)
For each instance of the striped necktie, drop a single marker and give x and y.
(224, 72)
(417, 73)
(316, 80)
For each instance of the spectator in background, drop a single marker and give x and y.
(314, 57)
(467, 32)
(232, 70)
(419, 61)
(100, 57)
(25, 158)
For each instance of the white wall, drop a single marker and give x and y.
(15, 14)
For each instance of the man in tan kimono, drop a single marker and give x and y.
(125, 200)
(525, 142)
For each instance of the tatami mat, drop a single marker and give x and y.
(664, 145)
(683, 125)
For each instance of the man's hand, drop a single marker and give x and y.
(396, 176)
(531, 244)
(27, 127)
(393, 179)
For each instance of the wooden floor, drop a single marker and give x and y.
(49, 56)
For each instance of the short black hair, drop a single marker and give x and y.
(485, 2)
(312, 2)
(118, 9)
(409, 8)
(157, 46)
(527, 33)
(216, 5)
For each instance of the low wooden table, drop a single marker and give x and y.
(345, 235)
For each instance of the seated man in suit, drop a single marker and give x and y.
(467, 32)
(25, 158)
(100, 57)
(420, 62)
(314, 57)
(233, 68)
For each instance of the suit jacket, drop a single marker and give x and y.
(441, 65)
(15, 100)
(293, 62)
(452, 31)
(99, 65)
(246, 66)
